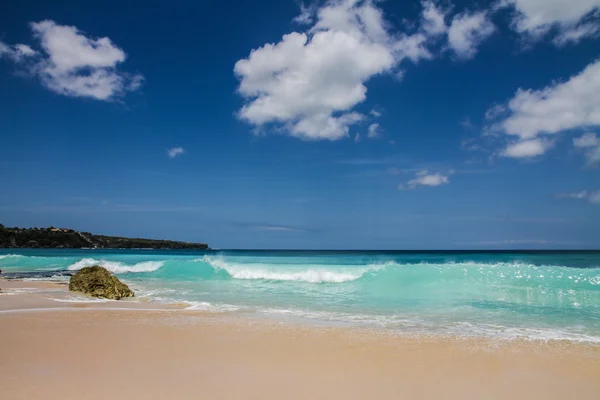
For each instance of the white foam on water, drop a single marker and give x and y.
(116, 266)
(27, 290)
(422, 326)
(78, 309)
(2, 257)
(82, 300)
(285, 273)
(206, 306)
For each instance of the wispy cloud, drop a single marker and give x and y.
(374, 131)
(467, 124)
(102, 206)
(425, 178)
(591, 196)
(155, 208)
(364, 161)
(175, 151)
(273, 227)
(512, 242)
(488, 219)
(277, 228)
(589, 143)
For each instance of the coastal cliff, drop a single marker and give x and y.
(65, 238)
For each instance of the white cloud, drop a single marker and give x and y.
(557, 107)
(412, 47)
(75, 65)
(575, 195)
(309, 82)
(536, 18)
(586, 141)
(467, 123)
(277, 228)
(424, 178)
(433, 19)
(467, 31)
(495, 111)
(175, 151)
(561, 106)
(592, 197)
(375, 113)
(590, 144)
(17, 53)
(307, 14)
(576, 34)
(526, 148)
(373, 132)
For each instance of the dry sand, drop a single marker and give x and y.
(51, 350)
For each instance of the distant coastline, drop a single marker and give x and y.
(65, 238)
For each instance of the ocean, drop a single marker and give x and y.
(529, 295)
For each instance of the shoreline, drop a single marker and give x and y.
(52, 295)
(144, 352)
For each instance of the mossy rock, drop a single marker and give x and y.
(97, 281)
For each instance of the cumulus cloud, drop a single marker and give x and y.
(424, 178)
(591, 196)
(175, 151)
(433, 19)
(527, 148)
(309, 82)
(561, 106)
(574, 20)
(73, 64)
(467, 31)
(589, 143)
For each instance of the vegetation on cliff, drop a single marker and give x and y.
(71, 239)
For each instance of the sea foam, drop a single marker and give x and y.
(286, 273)
(117, 267)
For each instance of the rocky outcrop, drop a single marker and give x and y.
(96, 281)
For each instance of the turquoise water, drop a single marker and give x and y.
(543, 295)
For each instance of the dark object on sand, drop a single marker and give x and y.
(96, 281)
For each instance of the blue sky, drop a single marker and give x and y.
(340, 124)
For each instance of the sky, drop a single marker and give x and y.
(340, 124)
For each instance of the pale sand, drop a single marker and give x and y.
(87, 352)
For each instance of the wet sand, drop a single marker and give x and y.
(57, 350)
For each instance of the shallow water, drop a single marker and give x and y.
(542, 295)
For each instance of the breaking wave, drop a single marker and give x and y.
(2, 257)
(117, 267)
(273, 272)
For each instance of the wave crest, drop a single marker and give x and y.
(310, 275)
(117, 267)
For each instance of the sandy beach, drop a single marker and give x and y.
(59, 350)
